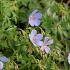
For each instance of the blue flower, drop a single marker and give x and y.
(1, 65)
(36, 38)
(45, 45)
(34, 18)
(2, 59)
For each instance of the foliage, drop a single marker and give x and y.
(14, 35)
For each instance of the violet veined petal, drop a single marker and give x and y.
(38, 15)
(37, 22)
(39, 37)
(50, 42)
(39, 43)
(32, 37)
(31, 22)
(47, 41)
(33, 41)
(47, 49)
(1, 65)
(33, 33)
(4, 59)
(34, 22)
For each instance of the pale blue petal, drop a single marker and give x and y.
(47, 41)
(47, 49)
(32, 35)
(37, 22)
(50, 42)
(4, 59)
(31, 22)
(39, 36)
(33, 32)
(39, 43)
(38, 15)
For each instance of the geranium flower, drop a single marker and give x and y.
(1, 65)
(34, 18)
(2, 59)
(69, 58)
(45, 45)
(36, 38)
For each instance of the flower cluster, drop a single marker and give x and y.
(36, 39)
(2, 59)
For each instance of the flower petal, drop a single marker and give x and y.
(47, 41)
(32, 37)
(33, 33)
(38, 15)
(50, 42)
(39, 36)
(39, 43)
(47, 49)
(4, 59)
(31, 22)
(37, 22)
(1, 65)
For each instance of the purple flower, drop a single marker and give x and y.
(69, 58)
(34, 18)
(36, 38)
(45, 45)
(3, 59)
